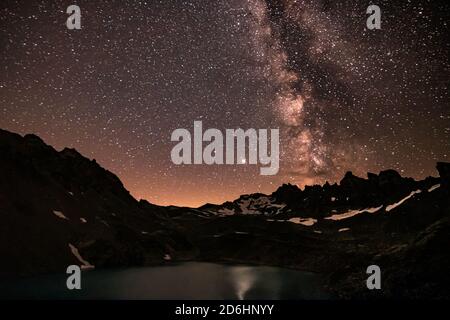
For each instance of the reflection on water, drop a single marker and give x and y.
(243, 279)
(191, 280)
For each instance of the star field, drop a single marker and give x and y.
(344, 97)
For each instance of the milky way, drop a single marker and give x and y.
(344, 97)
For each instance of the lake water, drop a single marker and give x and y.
(190, 280)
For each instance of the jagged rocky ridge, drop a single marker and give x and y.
(319, 201)
(59, 208)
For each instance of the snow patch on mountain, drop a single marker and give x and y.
(248, 205)
(395, 205)
(167, 257)
(59, 214)
(224, 212)
(304, 221)
(352, 213)
(259, 205)
(434, 187)
(84, 264)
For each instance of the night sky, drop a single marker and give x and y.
(344, 97)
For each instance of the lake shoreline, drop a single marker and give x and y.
(188, 280)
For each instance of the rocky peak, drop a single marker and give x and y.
(444, 172)
(351, 181)
(287, 193)
(389, 177)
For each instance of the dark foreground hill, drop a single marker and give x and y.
(60, 208)
(55, 203)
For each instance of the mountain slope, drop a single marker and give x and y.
(52, 203)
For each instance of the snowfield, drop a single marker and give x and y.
(304, 221)
(352, 213)
(395, 205)
(434, 187)
(84, 264)
(59, 214)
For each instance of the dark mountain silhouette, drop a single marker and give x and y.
(60, 208)
(51, 199)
